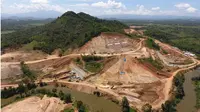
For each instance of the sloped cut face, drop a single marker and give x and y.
(110, 43)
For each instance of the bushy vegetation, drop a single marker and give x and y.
(125, 105)
(169, 106)
(178, 83)
(27, 73)
(29, 89)
(91, 58)
(80, 106)
(196, 81)
(68, 110)
(178, 94)
(157, 64)
(93, 67)
(71, 30)
(183, 37)
(22, 88)
(147, 108)
(93, 63)
(151, 44)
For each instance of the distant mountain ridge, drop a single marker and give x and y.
(69, 31)
(32, 15)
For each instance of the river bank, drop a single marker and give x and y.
(189, 101)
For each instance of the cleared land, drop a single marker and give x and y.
(122, 75)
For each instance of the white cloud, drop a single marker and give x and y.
(155, 8)
(187, 7)
(21, 8)
(81, 5)
(191, 9)
(39, 1)
(182, 5)
(109, 4)
(140, 10)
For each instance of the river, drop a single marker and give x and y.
(189, 101)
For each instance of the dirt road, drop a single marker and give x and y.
(72, 55)
(168, 84)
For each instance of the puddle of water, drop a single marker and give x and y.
(189, 101)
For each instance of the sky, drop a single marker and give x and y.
(105, 7)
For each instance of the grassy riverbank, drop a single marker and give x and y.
(196, 82)
(177, 93)
(197, 90)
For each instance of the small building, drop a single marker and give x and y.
(186, 53)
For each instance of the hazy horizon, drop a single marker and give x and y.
(101, 8)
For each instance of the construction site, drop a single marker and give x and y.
(109, 43)
(125, 71)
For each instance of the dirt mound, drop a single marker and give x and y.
(35, 104)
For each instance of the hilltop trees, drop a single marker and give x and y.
(71, 30)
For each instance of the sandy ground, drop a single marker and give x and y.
(23, 56)
(36, 104)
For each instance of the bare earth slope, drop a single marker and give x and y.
(36, 104)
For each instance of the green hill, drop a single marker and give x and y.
(71, 30)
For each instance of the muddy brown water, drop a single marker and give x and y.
(96, 104)
(189, 101)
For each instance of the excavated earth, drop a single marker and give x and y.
(36, 104)
(123, 75)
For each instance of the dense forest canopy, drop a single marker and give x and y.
(15, 24)
(184, 22)
(71, 30)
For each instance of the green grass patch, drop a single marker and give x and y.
(31, 45)
(151, 44)
(93, 67)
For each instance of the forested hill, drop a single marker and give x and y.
(71, 30)
(182, 36)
